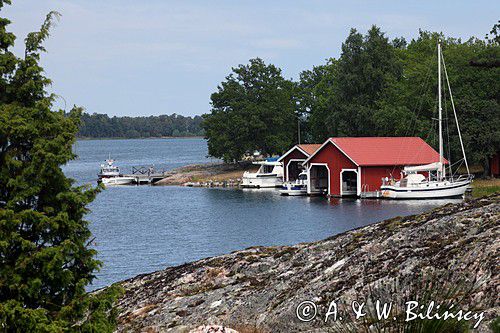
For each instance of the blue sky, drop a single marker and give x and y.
(155, 57)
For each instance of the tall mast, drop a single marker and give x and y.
(298, 130)
(455, 114)
(441, 152)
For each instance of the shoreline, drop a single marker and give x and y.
(145, 138)
(217, 174)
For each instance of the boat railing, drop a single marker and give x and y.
(462, 178)
(388, 181)
(146, 170)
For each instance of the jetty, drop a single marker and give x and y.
(145, 175)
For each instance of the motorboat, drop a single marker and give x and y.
(298, 187)
(110, 175)
(270, 174)
(432, 180)
(120, 180)
(108, 169)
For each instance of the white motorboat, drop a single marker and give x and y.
(270, 174)
(108, 170)
(119, 180)
(435, 183)
(110, 175)
(298, 187)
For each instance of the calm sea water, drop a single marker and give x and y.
(141, 229)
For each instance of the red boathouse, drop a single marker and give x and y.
(293, 159)
(350, 166)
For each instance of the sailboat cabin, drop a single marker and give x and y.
(352, 166)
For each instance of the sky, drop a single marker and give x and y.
(151, 57)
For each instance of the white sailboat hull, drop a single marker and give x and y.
(432, 190)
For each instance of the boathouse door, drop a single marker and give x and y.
(294, 168)
(319, 179)
(348, 182)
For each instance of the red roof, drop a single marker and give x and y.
(310, 148)
(307, 148)
(372, 151)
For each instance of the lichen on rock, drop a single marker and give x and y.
(450, 250)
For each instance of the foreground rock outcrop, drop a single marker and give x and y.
(449, 253)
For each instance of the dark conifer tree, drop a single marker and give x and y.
(45, 255)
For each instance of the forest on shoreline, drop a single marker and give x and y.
(100, 126)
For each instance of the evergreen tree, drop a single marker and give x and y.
(45, 258)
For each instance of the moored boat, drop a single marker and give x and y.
(431, 180)
(119, 180)
(270, 174)
(298, 187)
(110, 175)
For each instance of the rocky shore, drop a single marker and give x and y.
(449, 255)
(207, 175)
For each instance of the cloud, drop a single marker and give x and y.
(155, 56)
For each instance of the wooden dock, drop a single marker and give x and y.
(371, 195)
(145, 175)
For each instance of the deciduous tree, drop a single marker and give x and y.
(253, 109)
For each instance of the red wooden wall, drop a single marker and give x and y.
(336, 161)
(295, 154)
(372, 176)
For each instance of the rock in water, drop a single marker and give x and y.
(448, 254)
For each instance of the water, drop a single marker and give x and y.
(141, 229)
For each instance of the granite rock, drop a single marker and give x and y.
(449, 252)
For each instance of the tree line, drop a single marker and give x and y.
(102, 126)
(377, 87)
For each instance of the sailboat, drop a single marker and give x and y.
(435, 183)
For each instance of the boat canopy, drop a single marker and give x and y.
(427, 167)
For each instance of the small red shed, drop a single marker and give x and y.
(293, 159)
(350, 166)
(495, 165)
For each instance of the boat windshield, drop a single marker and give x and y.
(266, 168)
(109, 169)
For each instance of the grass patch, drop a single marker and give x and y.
(483, 187)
